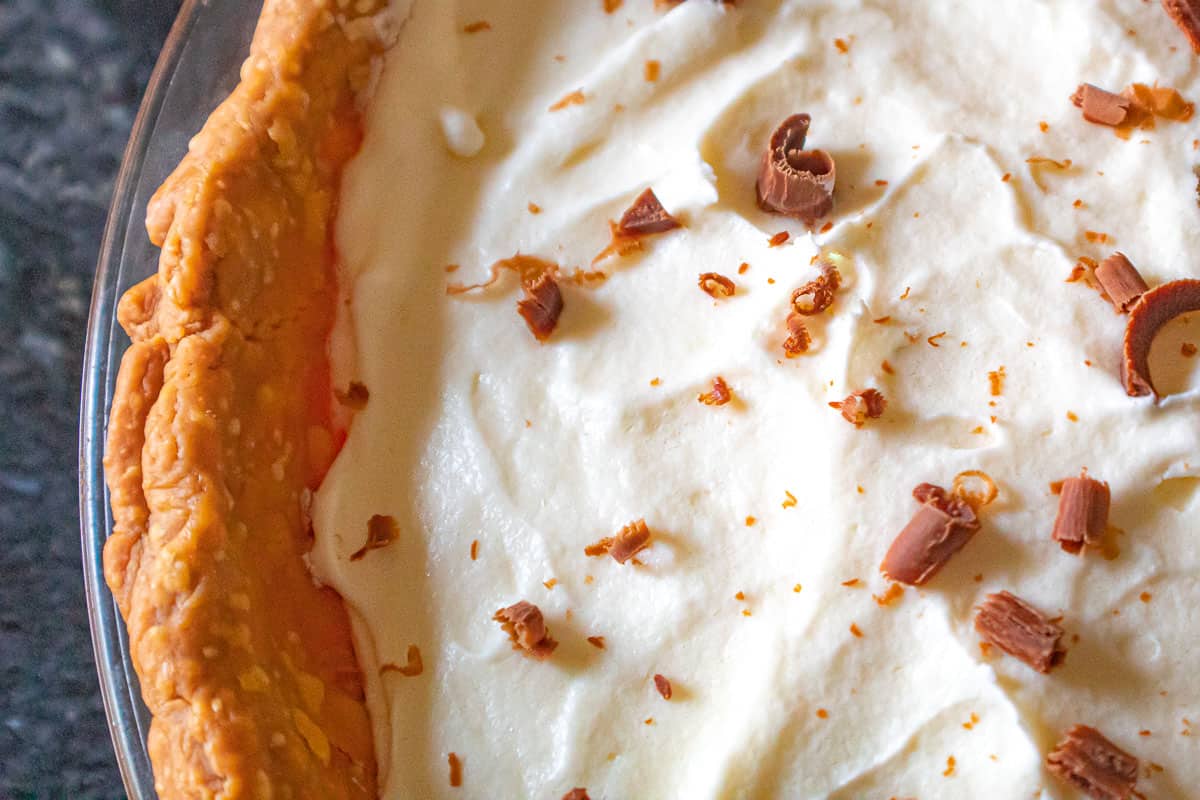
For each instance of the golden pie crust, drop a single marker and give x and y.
(221, 426)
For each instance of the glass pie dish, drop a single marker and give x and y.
(197, 67)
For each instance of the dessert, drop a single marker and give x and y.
(903, 231)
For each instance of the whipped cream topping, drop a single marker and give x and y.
(789, 679)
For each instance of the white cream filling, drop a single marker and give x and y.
(474, 431)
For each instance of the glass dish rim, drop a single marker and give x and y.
(127, 715)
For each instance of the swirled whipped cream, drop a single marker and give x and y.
(794, 672)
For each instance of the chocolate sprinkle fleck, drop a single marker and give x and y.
(860, 406)
(382, 530)
(663, 686)
(541, 306)
(720, 394)
(355, 397)
(576, 794)
(526, 627)
(716, 285)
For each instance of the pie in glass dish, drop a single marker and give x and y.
(645, 399)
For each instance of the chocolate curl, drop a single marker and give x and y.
(860, 406)
(542, 305)
(822, 289)
(632, 539)
(526, 627)
(1185, 14)
(1020, 630)
(936, 532)
(1101, 106)
(1155, 309)
(1087, 760)
(1121, 281)
(716, 285)
(382, 530)
(792, 180)
(646, 216)
(578, 793)
(799, 339)
(1082, 513)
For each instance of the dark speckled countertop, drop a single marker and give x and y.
(71, 75)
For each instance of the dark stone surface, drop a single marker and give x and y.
(71, 75)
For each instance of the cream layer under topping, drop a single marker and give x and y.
(788, 679)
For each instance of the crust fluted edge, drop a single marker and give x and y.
(220, 427)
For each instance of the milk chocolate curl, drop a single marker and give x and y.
(631, 540)
(382, 530)
(1186, 14)
(1082, 513)
(1020, 630)
(1155, 309)
(936, 532)
(525, 626)
(1094, 765)
(1101, 106)
(646, 216)
(821, 289)
(860, 406)
(798, 339)
(1121, 281)
(792, 180)
(541, 306)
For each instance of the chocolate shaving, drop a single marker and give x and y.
(716, 285)
(936, 532)
(1082, 519)
(799, 339)
(355, 397)
(1155, 309)
(1020, 630)
(455, 769)
(1087, 760)
(720, 394)
(860, 406)
(792, 180)
(541, 306)
(576, 794)
(629, 541)
(1185, 14)
(1100, 105)
(1121, 281)
(525, 626)
(960, 488)
(382, 530)
(663, 685)
(646, 216)
(821, 289)
(412, 667)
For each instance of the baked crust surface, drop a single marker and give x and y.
(221, 426)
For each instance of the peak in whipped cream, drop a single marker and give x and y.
(794, 668)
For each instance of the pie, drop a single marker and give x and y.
(672, 399)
